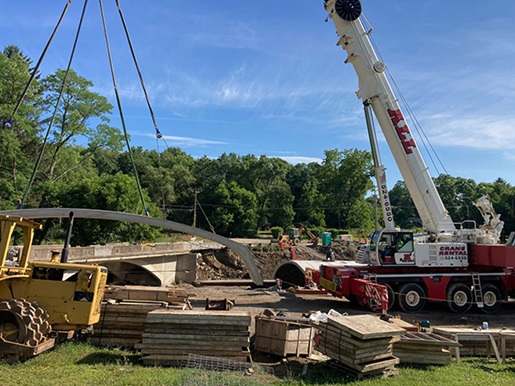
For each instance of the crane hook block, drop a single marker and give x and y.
(348, 10)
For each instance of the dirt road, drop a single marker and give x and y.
(256, 300)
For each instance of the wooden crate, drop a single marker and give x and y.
(283, 338)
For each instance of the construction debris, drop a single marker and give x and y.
(283, 337)
(133, 292)
(170, 336)
(220, 304)
(425, 348)
(363, 345)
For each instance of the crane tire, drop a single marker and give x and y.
(459, 298)
(391, 296)
(412, 297)
(492, 298)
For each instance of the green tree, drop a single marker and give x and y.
(361, 216)
(116, 192)
(277, 208)
(235, 211)
(18, 138)
(305, 188)
(404, 211)
(345, 179)
(82, 113)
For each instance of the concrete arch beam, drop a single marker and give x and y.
(97, 214)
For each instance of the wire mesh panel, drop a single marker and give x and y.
(216, 364)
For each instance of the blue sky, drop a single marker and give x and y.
(265, 77)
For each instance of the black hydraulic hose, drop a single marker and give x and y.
(38, 64)
(120, 109)
(56, 108)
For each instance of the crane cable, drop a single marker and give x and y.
(138, 69)
(158, 134)
(120, 109)
(56, 108)
(38, 64)
(430, 150)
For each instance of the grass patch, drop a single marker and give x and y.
(83, 364)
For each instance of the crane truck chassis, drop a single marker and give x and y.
(460, 264)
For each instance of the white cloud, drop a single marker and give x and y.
(300, 159)
(488, 132)
(188, 141)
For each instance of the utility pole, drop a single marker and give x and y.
(195, 210)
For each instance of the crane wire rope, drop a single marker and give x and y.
(120, 109)
(207, 218)
(38, 64)
(158, 134)
(426, 142)
(56, 108)
(138, 70)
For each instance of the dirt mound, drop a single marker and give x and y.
(220, 265)
(225, 264)
(343, 250)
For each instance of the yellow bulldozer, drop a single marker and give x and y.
(36, 303)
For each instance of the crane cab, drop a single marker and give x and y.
(392, 247)
(399, 248)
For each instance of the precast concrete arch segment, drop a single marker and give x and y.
(97, 214)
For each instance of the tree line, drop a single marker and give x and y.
(86, 165)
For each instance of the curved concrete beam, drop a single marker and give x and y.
(97, 214)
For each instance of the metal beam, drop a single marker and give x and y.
(96, 214)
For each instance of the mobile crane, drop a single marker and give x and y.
(460, 264)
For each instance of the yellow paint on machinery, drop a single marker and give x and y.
(70, 304)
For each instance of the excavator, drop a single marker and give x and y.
(37, 305)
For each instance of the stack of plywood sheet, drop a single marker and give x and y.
(362, 345)
(283, 337)
(171, 335)
(121, 324)
(424, 348)
(142, 293)
(491, 342)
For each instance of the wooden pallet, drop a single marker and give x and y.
(426, 348)
(499, 343)
(362, 345)
(139, 293)
(122, 324)
(172, 335)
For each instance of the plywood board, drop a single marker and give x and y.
(365, 326)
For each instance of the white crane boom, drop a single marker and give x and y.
(375, 89)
